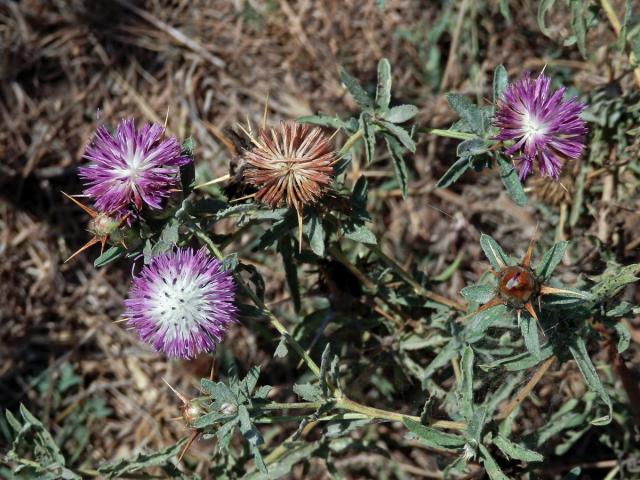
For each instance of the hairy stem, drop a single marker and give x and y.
(313, 366)
(448, 133)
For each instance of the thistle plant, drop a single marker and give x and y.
(363, 338)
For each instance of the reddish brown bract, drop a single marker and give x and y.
(291, 164)
(517, 285)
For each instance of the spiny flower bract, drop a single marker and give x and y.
(132, 166)
(182, 303)
(291, 164)
(546, 128)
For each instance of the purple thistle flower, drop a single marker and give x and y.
(182, 303)
(131, 166)
(545, 127)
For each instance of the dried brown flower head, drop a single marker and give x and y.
(291, 165)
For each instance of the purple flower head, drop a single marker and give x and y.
(544, 127)
(131, 166)
(182, 303)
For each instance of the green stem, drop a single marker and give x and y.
(448, 133)
(419, 289)
(260, 304)
(351, 141)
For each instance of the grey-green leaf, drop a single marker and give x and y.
(510, 179)
(529, 329)
(399, 165)
(432, 437)
(543, 7)
(361, 97)
(579, 351)
(494, 252)
(478, 293)
(308, 392)
(469, 112)
(111, 255)
(400, 133)
(516, 451)
(490, 465)
(550, 260)
(454, 172)
(400, 113)
(500, 80)
(383, 89)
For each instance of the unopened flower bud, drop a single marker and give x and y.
(228, 408)
(102, 225)
(191, 411)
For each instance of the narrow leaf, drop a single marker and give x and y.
(401, 113)
(361, 97)
(510, 179)
(454, 173)
(383, 89)
(468, 112)
(500, 80)
(432, 437)
(550, 260)
(399, 165)
(494, 253)
(515, 451)
(579, 351)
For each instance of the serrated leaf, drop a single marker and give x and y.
(454, 172)
(496, 256)
(432, 437)
(281, 349)
(400, 113)
(543, 7)
(128, 466)
(550, 260)
(359, 233)
(490, 465)
(295, 452)
(520, 361)
(383, 89)
(399, 165)
(400, 133)
(478, 293)
(248, 430)
(624, 337)
(471, 147)
(514, 451)
(500, 81)
(361, 97)
(579, 351)
(578, 26)
(219, 392)
(529, 330)
(308, 392)
(322, 121)
(482, 321)
(249, 382)
(368, 135)
(614, 279)
(510, 180)
(111, 255)
(315, 234)
(467, 111)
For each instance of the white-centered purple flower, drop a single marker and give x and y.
(182, 303)
(546, 128)
(133, 166)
